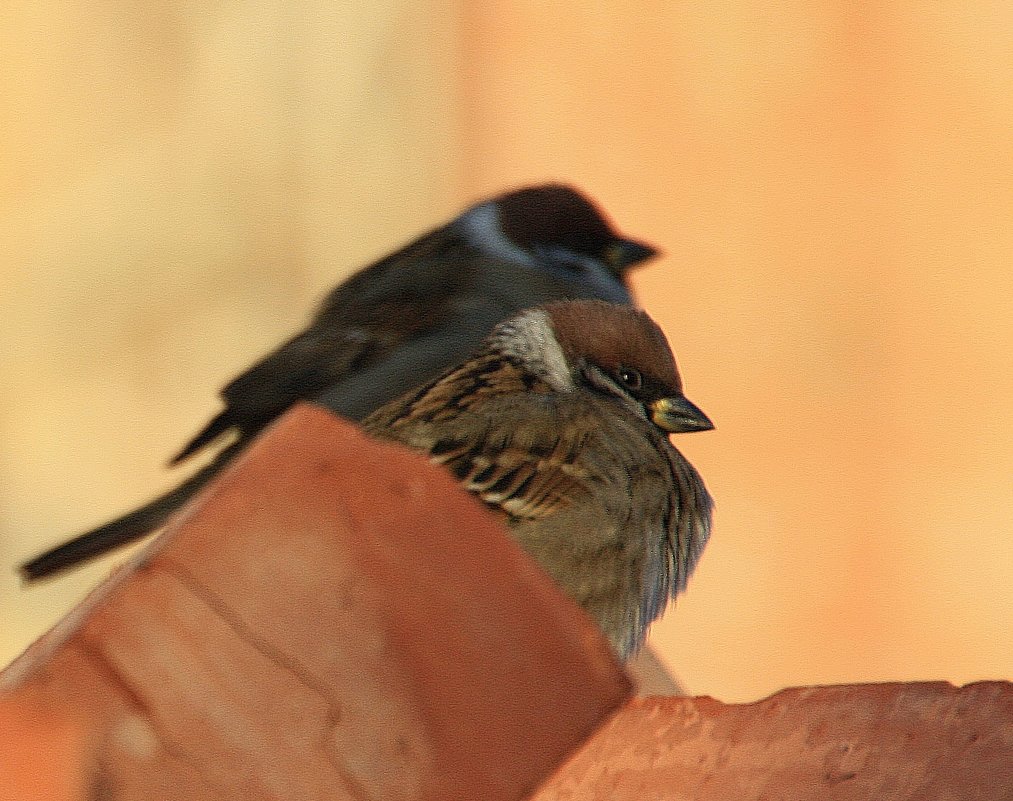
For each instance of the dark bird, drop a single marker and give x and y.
(560, 424)
(398, 323)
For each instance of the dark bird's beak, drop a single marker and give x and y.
(625, 253)
(678, 415)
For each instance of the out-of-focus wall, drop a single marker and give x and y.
(832, 185)
(180, 184)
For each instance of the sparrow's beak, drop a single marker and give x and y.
(678, 415)
(624, 253)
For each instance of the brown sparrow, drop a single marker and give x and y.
(398, 323)
(560, 425)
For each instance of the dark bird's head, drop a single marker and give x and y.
(556, 229)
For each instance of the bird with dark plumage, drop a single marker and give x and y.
(396, 324)
(560, 424)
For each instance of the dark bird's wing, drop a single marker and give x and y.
(378, 312)
(389, 329)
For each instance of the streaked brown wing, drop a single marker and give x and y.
(511, 448)
(524, 485)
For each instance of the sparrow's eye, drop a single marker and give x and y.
(630, 378)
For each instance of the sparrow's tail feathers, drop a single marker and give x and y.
(130, 527)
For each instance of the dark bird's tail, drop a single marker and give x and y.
(218, 426)
(130, 527)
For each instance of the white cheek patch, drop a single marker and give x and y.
(530, 337)
(480, 228)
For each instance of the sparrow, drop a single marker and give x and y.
(560, 425)
(397, 323)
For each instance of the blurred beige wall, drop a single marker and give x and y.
(832, 184)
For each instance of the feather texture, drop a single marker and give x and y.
(586, 482)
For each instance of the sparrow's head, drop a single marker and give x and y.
(611, 350)
(554, 228)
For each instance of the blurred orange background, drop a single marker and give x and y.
(832, 184)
